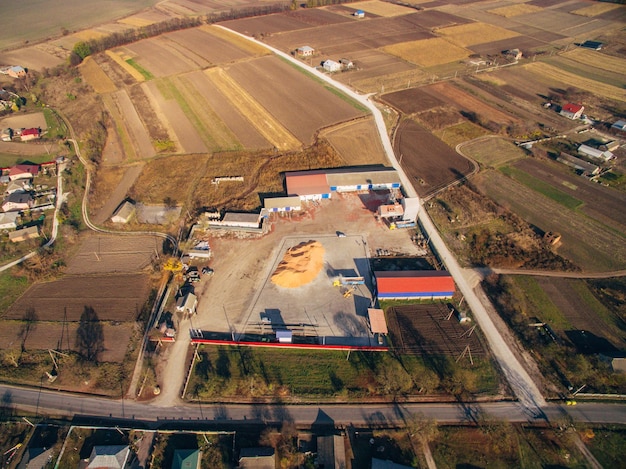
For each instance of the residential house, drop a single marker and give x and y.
(386, 464)
(305, 51)
(331, 452)
(514, 54)
(18, 236)
(187, 303)
(578, 164)
(8, 220)
(572, 111)
(30, 134)
(619, 126)
(19, 185)
(23, 171)
(346, 64)
(17, 201)
(331, 66)
(595, 153)
(124, 213)
(257, 458)
(16, 72)
(359, 14)
(7, 134)
(187, 459)
(108, 457)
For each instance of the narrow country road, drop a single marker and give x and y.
(524, 388)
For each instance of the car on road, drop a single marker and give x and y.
(206, 270)
(340, 234)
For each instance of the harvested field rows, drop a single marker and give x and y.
(209, 47)
(421, 52)
(158, 57)
(475, 33)
(545, 71)
(596, 59)
(515, 10)
(412, 100)
(125, 140)
(99, 254)
(321, 16)
(379, 8)
(300, 104)
(270, 128)
(423, 329)
(249, 47)
(137, 131)
(357, 142)
(113, 297)
(266, 25)
(596, 9)
(585, 242)
(47, 335)
(132, 71)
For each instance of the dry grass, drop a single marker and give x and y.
(132, 71)
(515, 10)
(421, 52)
(493, 152)
(391, 82)
(270, 128)
(546, 71)
(88, 35)
(596, 9)
(93, 74)
(248, 46)
(379, 8)
(475, 33)
(136, 21)
(460, 133)
(596, 59)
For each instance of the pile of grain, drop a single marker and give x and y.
(300, 265)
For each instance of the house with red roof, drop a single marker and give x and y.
(30, 134)
(23, 171)
(572, 111)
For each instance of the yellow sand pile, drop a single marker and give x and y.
(300, 265)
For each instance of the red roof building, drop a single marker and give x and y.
(30, 134)
(23, 171)
(572, 111)
(399, 284)
(308, 184)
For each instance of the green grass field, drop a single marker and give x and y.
(146, 74)
(544, 309)
(9, 159)
(11, 288)
(543, 188)
(493, 152)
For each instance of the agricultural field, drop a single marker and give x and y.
(515, 10)
(493, 152)
(596, 9)
(350, 140)
(428, 161)
(412, 100)
(96, 77)
(421, 52)
(115, 297)
(470, 34)
(380, 8)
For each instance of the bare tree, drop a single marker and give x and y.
(90, 335)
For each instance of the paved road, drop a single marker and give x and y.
(47, 402)
(520, 381)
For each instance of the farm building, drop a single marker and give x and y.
(619, 126)
(594, 45)
(7, 135)
(331, 66)
(23, 171)
(355, 179)
(19, 185)
(187, 303)
(17, 201)
(378, 324)
(331, 451)
(400, 284)
(123, 213)
(18, 236)
(257, 458)
(595, 153)
(305, 51)
(308, 185)
(112, 456)
(514, 54)
(572, 111)
(346, 64)
(359, 14)
(282, 204)
(390, 211)
(7, 220)
(411, 207)
(16, 72)
(30, 134)
(187, 459)
(238, 220)
(578, 164)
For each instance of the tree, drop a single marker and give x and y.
(82, 49)
(30, 319)
(90, 335)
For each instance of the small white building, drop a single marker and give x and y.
(572, 111)
(8, 220)
(305, 51)
(124, 213)
(359, 14)
(187, 303)
(283, 204)
(596, 154)
(331, 66)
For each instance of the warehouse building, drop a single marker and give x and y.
(421, 284)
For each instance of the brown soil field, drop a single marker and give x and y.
(524, 43)
(440, 118)
(475, 33)
(372, 65)
(423, 329)
(429, 162)
(100, 254)
(266, 25)
(232, 117)
(96, 77)
(546, 3)
(211, 48)
(301, 105)
(46, 335)
(468, 103)
(596, 9)
(32, 57)
(576, 310)
(378, 8)
(151, 120)
(137, 131)
(587, 243)
(357, 142)
(510, 11)
(119, 57)
(249, 47)
(103, 184)
(570, 25)
(493, 152)
(412, 100)
(319, 16)
(433, 19)
(390, 82)
(183, 131)
(113, 297)
(116, 73)
(129, 151)
(421, 52)
(31, 119)
(601, 203)
(158, 57)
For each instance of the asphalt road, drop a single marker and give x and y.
(45, 402)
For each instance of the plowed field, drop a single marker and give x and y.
(357, 142)
(412, 100)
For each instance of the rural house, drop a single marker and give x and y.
(346, 64)
(572, 111)
(7, 220)
(514, 54)
(187, 303)
(595, 153)
(386, 464)
(18, 236)
(30, 134)
(16, 72)
(123, 213)
(305, 51)
(619, 126)
(331, 66)
(108, 457)
(7, 135)
(187, 459)
(359, 14)
(17, 201)
(23, 171)
(257, 458)
(19, 185)
(331, 451)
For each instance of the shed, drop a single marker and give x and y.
(24, 234)
(18, 185)
(187, 459)
(108, 457)
(124, 213)
(414, 284)
(308, 185)
(7, 135)
(30, 134)
(257, 458)
(187, 303)
(514, 54)
(619, 126)
(595, 153)
(238, 220)
(331, 452)
(595, 45)
(8, 220)
(284, 336)
(577, 163)
(378, 324)
(346, 63)
(359, 14)
(305, 51)
(282, 204)
(572, 111)
(357, 179)
(411, 208)
(331, 66)
(16, 71)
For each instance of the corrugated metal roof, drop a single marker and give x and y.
(281, 202)
(353, 178)
(407, 282)
(307, 183)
